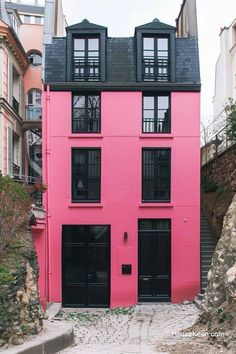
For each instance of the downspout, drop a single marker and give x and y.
(47, 194)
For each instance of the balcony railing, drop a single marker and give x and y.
(33, 113)
(86, 69)
(218, 144)
(15, 105)
(156, 69)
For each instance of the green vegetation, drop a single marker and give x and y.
(14, 208)
(230, 110)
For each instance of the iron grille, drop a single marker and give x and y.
(156, 69)
(86, 174)
(86, 69)
(156, 174)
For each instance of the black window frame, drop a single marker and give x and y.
(89, 121)
(157, 178)
(156, 119)
(86, 169)
(157, 62)
(86, 66)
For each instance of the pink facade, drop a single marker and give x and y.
(121, 142)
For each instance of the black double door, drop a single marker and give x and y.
(154, 254)
(86, 266)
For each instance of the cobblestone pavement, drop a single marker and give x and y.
(133, 330)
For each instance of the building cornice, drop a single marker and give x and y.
(14, 44)
(138, 86)
(5, 104)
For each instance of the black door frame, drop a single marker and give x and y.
(86, 281)
(153, 232)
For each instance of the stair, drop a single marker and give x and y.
(208, 244)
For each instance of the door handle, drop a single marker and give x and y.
(145, 279)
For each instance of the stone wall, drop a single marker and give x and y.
(219, 302)
(20, 309)
(220, 175)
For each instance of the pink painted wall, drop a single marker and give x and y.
(39, 233)
(121, 142)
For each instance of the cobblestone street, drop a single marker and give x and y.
(140, 329)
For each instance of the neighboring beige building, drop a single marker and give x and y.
(21, 59)
(186, 23)
(225, 75)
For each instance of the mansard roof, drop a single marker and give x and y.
(86, 25)
(155, 25)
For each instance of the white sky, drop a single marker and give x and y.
(121, 17)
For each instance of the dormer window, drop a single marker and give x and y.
(86, 61)
(156, 58)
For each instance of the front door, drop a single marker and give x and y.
(154, 254)
(86, 266)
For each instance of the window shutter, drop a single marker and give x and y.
(9, 151)
(10, 82)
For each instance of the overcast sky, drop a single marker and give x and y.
(121, 16)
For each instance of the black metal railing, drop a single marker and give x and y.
(152, 125)
(33, 113)
(86, 69)
(218, 144)
(15, 105)
(30, 182)
(82, 125)
(156, 69)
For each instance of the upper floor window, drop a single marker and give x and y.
(156, 114)
(34, 106)
(156, 175)
(86, 174)
(86, 63)
(35, 58)
(86, 114)
(156, 58)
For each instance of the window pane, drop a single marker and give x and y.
(148, 43)
(37, 20)
(30, 97)
(156, 175)
(86, 175)
(148, 114)
(148, 54)
(148, 102)
(79, 44)
(93, 44)
(163, 102)
(79, 102)
(162, 44)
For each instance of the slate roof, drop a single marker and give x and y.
(86, 25)
(155, 25)
(31, 9)
(121, 60)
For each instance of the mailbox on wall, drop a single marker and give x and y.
(126, 268)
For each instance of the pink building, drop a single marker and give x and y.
(121, 163)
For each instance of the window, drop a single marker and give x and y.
(156, 175)
(156, 58)
(35, 58)
(86, 114)
(26, 19)
(156, 114)
(38, 20)
(34, 107)
(86, 59)
(86, 175)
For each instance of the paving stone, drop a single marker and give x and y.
(140, 330)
